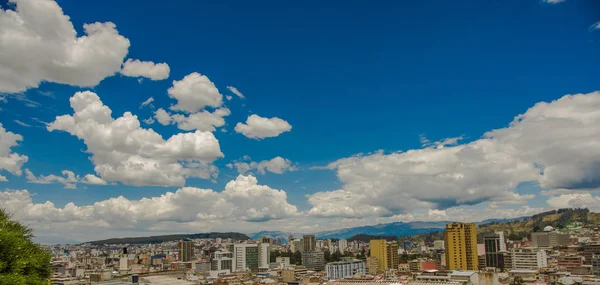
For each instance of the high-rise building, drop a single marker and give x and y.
(297, 245)
(346, 268)
(342, 245)
(263, 255)
(186, 250)
(245, 256)
(494, 250)
(314, 260)
(386, 254)
(460, 240)
(309, 243)
(221, 260)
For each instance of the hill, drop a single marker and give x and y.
(390, 229)
(164, 238)
(367, 238)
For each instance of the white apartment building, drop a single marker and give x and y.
(529, 258)
(347, 268)
(342, 245)
(284, 261)
(263, 255)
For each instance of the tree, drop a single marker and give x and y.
(22, 262)
(517, 281)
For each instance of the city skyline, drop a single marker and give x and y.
(300, 118)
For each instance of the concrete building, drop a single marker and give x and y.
(264, 255)
(528, 258)
(245, 257)
(460, 240)
(595, 264)
(438, 244)
(569, 261)
(342, 269)
(549, 239)
(386, 254)
(589, 250)
(392, 255)
(372, 265)
(342, 245)
(186, 250)
(221, 260)
(297, 245)
(283, 261)
(309, 243)
(494, 247)
(313, 260)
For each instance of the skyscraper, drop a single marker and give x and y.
(246, 257)
(461, 246)
(494, 250)
(386, 254)
(186, 250)
(309, 243)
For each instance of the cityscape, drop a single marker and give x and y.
(314, 142)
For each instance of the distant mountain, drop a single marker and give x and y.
(164, 238)
(391, 229)
(274, 235)
(367, 238)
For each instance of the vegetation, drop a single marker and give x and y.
(295, 257)
(21, 260)
(164, 238)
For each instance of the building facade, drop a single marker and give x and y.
(589, 250)
(494, 247)
(186, 250)
(221, 260)
(528, 258)
(245, 256)
(313, 260)
(549, 239)
(309, 243)
(460, 240)
(342, 269)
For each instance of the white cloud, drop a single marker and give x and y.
(39, 34)
(242, 201)
(195, 92)
(10, 161)
(575, 200)
(3, 178)
(555, 144)
(277, 165)
(236, 92)
(22, 123)
(229, 97)
(553, 1)
(148, 121)
(148, 69)
(257, 127)
(595, 26)
(203, 121)
(123, 151)
(68, 178)
(148, 103)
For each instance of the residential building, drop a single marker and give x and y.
(297, 245)
(528, 258)
(347, 268)
(569, 261)
(386, 254)
(589, 250)
(392, 255)
(342, 245)
(186, 250)
(494, 248)
(245, 256)
(372, 265)
(549, 239)
(283, 261)
(309, 243)
(313, 260)
(595, 264)
(460, 240)
(438, 244)
(263, 255)
(221, 260)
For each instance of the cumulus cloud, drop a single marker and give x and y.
(194, 92)
(257, 127)
(242, 200)
(39, 33)
(68, 178)
(9, 160)
(595, 26)
(123, 151)
(575, 200)
(554, 144)
(204, 121)
(148, 69)
(277, 165)
(236, 92)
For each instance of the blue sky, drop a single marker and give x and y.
(349, 77)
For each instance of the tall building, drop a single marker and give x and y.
(589, 250)
(297, 245)
(372, 265)
(221, 260)
(264, 252)
(186, 250)
(460, 240)
(346, 268)
(309, 243)
(549, 239)
(342, 245)
(245, 256)
(386, 254)
(314, 260)
(494, 250)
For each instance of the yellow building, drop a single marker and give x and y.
(461, 246)
(385, 253)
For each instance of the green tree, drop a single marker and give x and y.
(22, 262)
